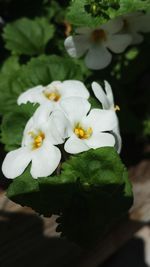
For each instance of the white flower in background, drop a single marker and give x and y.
(135, 24)
(85, 130)
(39, 138)
(54, 93)
(107, 101)
(96, 43)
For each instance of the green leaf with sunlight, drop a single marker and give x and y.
(93, 13)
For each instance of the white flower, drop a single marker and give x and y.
(85, 131)
(107, 101)
(95, 43)
(39, 138)
(54, 93)
(135, 24)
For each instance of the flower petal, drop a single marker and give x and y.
(75, 108)
(84, 30)
(53, 85)
(118, 140)
(138, 22)
(98, 57)
(109, 94)
(60, 127)
(28, 128)
(119, 42)
(16, 162)
(114, 25)
(42, 114)
(100, 140)
(137, 38)
(75, 145)
(74, 88)
(144, 23)
(100, 95)
(77, 45)
(33, 95)
(101, 120)
(45, 161)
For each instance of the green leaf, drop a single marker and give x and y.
(94, 102)
(28, 37)
(25, 190)
(13, 125)
(104, 194)
(93, 13)
(10, 65)
(96, 167)
(146, 125)
(91, 192)
(54, 11)
(41, 70)
(78, 16)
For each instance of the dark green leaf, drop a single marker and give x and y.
(91, 192)
(94, 103)
(13, 124)
(25, 191)
(28, 37)
(10, 65)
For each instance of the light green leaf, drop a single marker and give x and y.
(28, 37)
(96, 167)
(93, 13)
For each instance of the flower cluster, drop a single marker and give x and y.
(64, 116)
(115, 36)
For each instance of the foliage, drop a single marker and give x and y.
(91, 192)
(40, 70)
(11, 133)
(147, 128)
(28, 37)
(93, 13)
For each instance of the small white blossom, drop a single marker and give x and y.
(85, 131)
(39, 138)
(54, 93)
(96, 43)
(135, 24)
(107, 101)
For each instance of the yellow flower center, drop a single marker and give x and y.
(116, 108)
(98, 35)
(53, 96)
(83, 133)
(37, 139)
